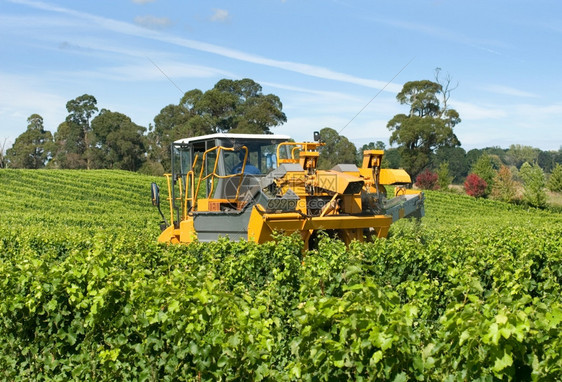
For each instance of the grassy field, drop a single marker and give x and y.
(473, 292)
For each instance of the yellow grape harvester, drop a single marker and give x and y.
(248, 186)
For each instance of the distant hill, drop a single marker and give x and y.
(78, 199)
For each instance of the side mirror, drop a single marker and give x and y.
(155, 194)
(316, 136)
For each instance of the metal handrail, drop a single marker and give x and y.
(214, 174)
(169, 181)
(304, 146)
(190, 185)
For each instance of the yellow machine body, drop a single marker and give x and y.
(276, 187)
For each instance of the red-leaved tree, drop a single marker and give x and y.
(475, 186)
(427, 180)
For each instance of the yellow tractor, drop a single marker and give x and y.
(248, 186)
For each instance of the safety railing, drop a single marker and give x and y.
(189, 200)
(303, 146)
(213, 175)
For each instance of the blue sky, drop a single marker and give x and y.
(325, 59)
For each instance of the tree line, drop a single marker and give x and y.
(90, 138)
(424, 136)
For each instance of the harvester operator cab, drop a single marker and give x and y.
(217, 172)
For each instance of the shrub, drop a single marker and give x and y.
(485, 170)
(475, 186)
(515, 174)
(504, 186)
(444, 176)
(555, 181)
(427, 180)
(151, 167)
(534, 183)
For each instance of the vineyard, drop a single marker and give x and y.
(473, 292)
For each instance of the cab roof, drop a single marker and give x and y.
(232, 136)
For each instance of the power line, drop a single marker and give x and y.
(380, 91)
(169, 79)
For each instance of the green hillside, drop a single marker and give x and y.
(106, 199)
(472, 293)
(77, 199)
(462, 210)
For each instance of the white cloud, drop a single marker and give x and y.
(312, 94)
(148, 72)
(143, 1)
(133, 30)
(536, 115)
(33, 23)
(470, 111)
(153, 22)
(506, 90)
(311, 110)
(310, 101)
(65, 45)
(301, 127)
(220, 15)
(544, 110)
(444, 34)
(22, 96)
(505, 125)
